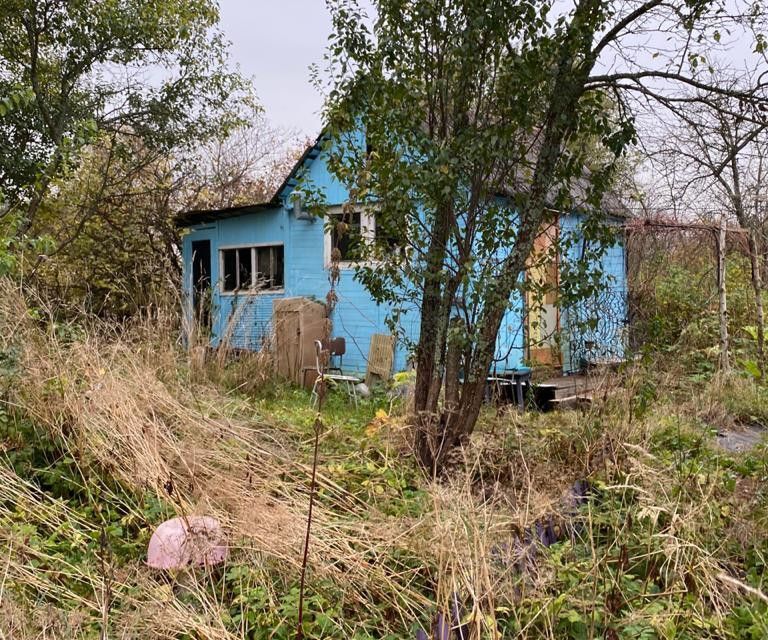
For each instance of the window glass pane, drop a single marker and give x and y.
(278, 280)
(229, 277)
(245, 270)
(269, 267)
(390, 237)
(348, 242)
(238, 268)
(263, 268)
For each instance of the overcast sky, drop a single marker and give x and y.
(275, 41)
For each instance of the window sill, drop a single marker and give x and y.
(248, 293)
(349, 265)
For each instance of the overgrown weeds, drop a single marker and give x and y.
(107, 431)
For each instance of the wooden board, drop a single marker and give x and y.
(287, 343)
(297, 322)
(381, 356)
(543, 316)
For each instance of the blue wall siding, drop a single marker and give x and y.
(245, 320)
(332, 191)
(356, 315)
(510, 343)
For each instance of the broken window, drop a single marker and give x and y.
(244, 268)
(362, 236)
(229, 270)
(346, 234)
(390, 237)
(252, 268)
(269, 267)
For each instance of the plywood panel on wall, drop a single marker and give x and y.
(298, 323)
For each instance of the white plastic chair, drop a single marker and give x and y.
(349, 382)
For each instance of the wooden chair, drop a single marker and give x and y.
(349, 382)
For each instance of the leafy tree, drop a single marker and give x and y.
(111, 243)
(73, 69)
(465, 100)
(718, 160)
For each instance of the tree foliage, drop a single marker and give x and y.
(155, 70)
(107, 238)
(115, 115)
(482, 120)
(111, 243)
(717, 162)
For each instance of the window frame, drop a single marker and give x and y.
(251, 291)
(367, 232)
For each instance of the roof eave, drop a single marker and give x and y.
(195, 217)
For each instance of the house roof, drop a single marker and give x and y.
(196, 216)
(611, 203)
(201, 216)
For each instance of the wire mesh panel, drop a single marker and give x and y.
(596, 330)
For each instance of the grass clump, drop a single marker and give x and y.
(107, 431)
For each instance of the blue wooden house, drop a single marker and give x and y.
(248, 257)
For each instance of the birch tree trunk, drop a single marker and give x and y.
(757, 286)
(723, 314)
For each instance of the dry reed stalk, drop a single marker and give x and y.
(113, 395)
(110, 401)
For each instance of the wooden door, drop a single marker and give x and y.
(542, 310)
(288, 344)
(201, 283)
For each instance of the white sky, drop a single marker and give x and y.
(275, 41)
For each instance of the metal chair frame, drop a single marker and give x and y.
(349, 382)
(518, 379)
(336, 347)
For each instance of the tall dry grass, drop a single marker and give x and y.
(122, 397)
(114, 395)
